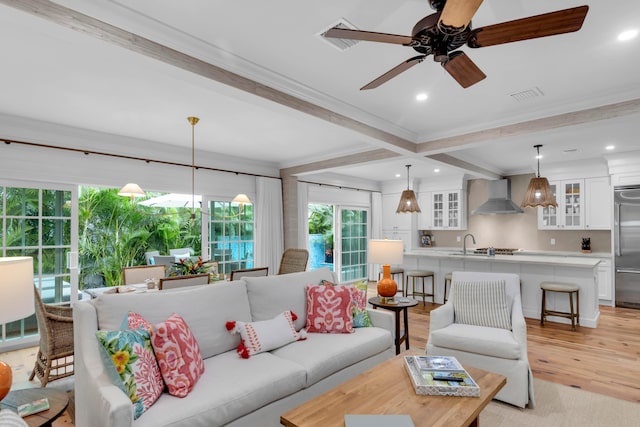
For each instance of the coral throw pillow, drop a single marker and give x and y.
(134, 320)
(132, 366)
(329, 309)
(178, 355)
(266, 335)
(358, 291)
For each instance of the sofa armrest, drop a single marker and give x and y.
(441, 317)
(98, 401)
(518, 324)
(382, 319)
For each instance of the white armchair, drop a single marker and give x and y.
(500, 345)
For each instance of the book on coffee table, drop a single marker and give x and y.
(440, 375)
(378, 421)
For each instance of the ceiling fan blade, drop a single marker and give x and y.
(463, 69)
(457, 14)
(394, 72)
(345, 33)
(547, 24)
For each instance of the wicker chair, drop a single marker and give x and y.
(293, 260)
(55, 356)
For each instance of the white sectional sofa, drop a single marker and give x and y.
(232, 391)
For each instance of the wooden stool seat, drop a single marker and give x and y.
(447, 279)
(422, 275)
(569, 289)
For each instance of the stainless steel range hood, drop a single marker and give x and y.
(499, 192)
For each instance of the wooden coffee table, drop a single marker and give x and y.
(387, 389)
(58, 402)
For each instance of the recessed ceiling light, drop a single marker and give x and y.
(436, 170)
(398, 175)
(627, 35)
(610, 147)
(422, 97)
(539, 156)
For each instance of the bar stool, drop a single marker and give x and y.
(568, 288)
(422, 275)
(396, 271)
(447, 279)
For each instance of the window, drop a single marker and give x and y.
(354, 244)
(231, 236)
(38, 222)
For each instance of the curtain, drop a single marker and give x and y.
(269, 233)
(376, 227)
(303, 215)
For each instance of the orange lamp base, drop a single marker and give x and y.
(387, 287)
(5, 379)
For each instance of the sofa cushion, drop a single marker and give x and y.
(324, 354)
(494, 342)
(271, 295)
(131, 365)
(481, 303)
(265, 335)
(329, 309)
(178, 355)
(194, 304)
(231, 387)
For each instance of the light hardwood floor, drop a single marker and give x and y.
(603, 360)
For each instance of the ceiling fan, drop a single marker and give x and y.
(449, 28)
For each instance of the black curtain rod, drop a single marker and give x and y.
(122, 156)
(341, 187)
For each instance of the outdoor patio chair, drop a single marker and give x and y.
(55, 355)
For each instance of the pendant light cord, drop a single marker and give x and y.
(193, 120)
(538, 158)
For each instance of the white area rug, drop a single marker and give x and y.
(562, 406)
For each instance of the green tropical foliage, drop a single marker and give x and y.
(115, 233)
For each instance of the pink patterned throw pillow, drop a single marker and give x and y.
(329, 309)
(265, 335)
(178, 355)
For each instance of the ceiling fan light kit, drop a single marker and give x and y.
(408, 202)
(441, 33)
(539, 191)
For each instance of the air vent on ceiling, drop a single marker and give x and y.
(341, 44)
(527, 95)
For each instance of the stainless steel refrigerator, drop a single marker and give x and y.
(627, 245)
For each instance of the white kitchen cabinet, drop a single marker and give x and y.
(395, 234)
(570, 211)
(605, 282)
(425, 217)
(390, 219)
(597, 203)
(448, 210)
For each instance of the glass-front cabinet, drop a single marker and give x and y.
(448, 210)
(570, 211)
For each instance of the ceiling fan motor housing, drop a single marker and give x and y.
(430, 40)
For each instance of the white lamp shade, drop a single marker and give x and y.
(242, 199)
(16, 288)
(385, 251)
(131, 190)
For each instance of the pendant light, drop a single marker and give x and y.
(539, 192)
(132, 191)
(408, 202)
(193, 121)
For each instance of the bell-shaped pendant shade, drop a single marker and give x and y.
(539, 192)
(408, 202)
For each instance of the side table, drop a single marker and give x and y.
(58, 402)
(398, 307)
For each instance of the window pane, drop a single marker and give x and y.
(54, 261)
(22, 232)
(56, 203)
(22, 201)
(56, 232)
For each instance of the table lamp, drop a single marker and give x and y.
(386, 252)
(16, 302)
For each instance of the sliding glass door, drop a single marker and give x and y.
(41, 222)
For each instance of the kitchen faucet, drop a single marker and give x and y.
(464, 242)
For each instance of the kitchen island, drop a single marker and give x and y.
(532, 269)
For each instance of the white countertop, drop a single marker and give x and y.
(564, 259)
